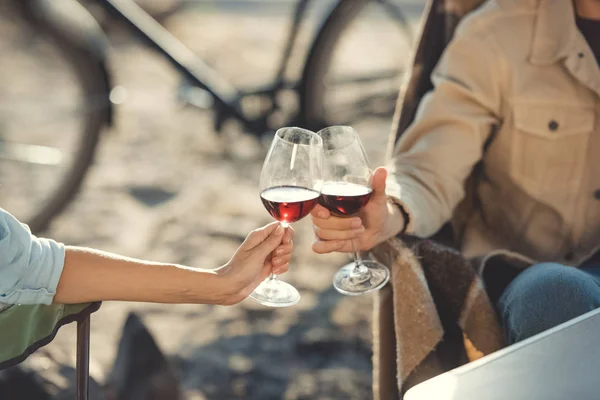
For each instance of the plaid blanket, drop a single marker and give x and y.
(437, 312)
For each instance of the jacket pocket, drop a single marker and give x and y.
(549, 147)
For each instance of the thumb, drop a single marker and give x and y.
(378, 183)
(264, 240)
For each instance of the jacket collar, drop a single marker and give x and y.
(554, 32)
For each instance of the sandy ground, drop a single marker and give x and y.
(162, 187)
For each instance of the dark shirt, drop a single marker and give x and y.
(590, 28)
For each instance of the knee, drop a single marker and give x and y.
(544, 296)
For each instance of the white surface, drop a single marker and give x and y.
(559, 364)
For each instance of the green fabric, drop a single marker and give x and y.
(25, 328)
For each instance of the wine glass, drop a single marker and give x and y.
(290, 186)
(347, 189)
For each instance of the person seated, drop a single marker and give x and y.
(514, 115)
(42, 271)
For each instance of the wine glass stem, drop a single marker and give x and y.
(273, 278)
(359, 267)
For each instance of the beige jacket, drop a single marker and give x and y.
(518, 89)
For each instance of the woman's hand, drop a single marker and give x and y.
(93, 275)
(266, 250)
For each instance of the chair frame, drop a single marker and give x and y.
(83, 358)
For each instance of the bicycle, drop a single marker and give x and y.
(80, 97)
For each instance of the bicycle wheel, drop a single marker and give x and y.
(354, 70)
(53, 104)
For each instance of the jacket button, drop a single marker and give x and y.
(553, 125)
(597, 194)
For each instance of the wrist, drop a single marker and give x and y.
(205, 286)
(396, 221)
(225, 287)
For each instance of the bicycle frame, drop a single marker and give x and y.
(227, 98)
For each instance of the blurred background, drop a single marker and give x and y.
(165, 185)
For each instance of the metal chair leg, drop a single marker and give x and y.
(83, 358)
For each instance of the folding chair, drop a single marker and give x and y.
(24, 329)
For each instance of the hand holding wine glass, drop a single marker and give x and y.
(290, 184)
(375, 223)
(347, 189)
(266, 250)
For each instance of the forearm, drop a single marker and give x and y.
(92, 275)
(435, 156)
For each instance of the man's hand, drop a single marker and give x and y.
(266, 250)
(377, 221)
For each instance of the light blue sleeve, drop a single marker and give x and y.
(29, 267)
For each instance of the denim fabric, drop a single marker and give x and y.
(546, 295)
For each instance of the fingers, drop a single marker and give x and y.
(264, 240)
(320, 212)
(328, 227)
(334, 234)
(378, 181)
(326, 221)
(257, 236)
(282, 257)
(330, 246)
(264, 274)
(283, 250)
(289, 235)
(281, 269)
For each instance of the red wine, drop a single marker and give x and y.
(344, 198)
(289, 203)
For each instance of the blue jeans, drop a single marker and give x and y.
(546, 295)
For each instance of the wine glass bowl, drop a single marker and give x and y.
(346, 190)
(344, 199)
(290, 187)
(289, 204)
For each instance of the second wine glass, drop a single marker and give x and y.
(290, 186)
(346, 190)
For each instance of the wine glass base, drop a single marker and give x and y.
(275, 293)
(347, 281)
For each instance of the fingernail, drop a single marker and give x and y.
(323, 214)
(340, 244)
(279, 230)
(356, 223)
(278, 252)
(288, 240)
